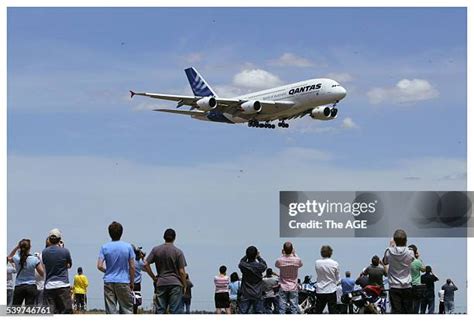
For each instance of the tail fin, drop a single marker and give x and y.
(199, 86)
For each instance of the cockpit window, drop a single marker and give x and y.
(335, 86)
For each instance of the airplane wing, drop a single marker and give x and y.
(227, 105)
(182, 112)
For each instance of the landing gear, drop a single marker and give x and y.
(283, 124)
(256, 123)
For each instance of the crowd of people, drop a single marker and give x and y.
(42, 279)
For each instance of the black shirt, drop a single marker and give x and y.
(429, 279)
(252, 283)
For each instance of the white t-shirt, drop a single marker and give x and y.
(441, 295)
(327, 271)
(10, 271)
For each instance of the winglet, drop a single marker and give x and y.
(132, 94)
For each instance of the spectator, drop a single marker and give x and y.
(116, 261)
(347, 286)
(234, 292)
(80, 290)
(57, 261)
(170, 284)
(428, 301)
(137, 281)
(399, 257)
(187, 296)
(327, 271)
(270, 287)
(40, 298)
(441, 302)
(449, 288)
(252, 266)
(362, 281)
(288, 263)
(221, 296)
(418, 289)
(375, 272)
(306, 285)
(10, 282)
(25, 265)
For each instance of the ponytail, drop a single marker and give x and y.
(25, 246)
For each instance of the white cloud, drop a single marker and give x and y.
(348, 123)
(256, 79)
(340, 76)
(227, 91)
(405, 91)
(308, 125)
(290, 59)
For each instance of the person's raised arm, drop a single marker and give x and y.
(12, 253)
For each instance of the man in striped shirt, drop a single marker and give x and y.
(288, 263)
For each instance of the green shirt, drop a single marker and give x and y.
(416, 267)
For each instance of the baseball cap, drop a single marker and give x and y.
(55, 232)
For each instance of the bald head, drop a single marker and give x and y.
(288, 248)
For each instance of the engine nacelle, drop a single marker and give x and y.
(251, 107)
(207, 103)
(322, 113)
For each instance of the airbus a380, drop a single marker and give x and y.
(314, 97)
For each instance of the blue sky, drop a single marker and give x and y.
(80, 149)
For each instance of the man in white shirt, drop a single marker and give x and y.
(327, 271)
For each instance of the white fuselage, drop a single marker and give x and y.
(304, 95)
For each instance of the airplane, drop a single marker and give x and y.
(314, 97)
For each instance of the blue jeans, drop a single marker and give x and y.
(246, 305)
(291, 298)
(270, 305)
(169, 299)
(9, 297)
(449, 306)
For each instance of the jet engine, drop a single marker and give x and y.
(207, 103)
(251, 107)
(322, 113)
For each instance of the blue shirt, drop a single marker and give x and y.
(25, 275)
(347, 285)
(138, 271)
(56, 262)
(116, 255)
(234, 288)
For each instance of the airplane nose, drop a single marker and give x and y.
(342, 92)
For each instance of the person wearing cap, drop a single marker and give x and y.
(57, 260)
(116, 261)
(80, 289)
